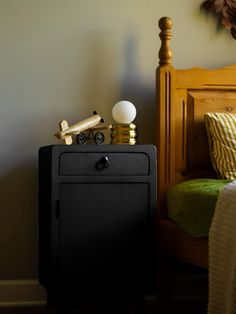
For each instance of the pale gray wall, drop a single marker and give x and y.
(61, 59)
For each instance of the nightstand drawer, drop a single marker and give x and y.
(103, 163)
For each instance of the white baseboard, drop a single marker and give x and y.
(21, 293)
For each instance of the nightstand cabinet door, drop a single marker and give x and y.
(96, 220)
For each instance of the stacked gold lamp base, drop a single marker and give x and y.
(124, 134)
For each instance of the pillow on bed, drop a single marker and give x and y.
(221, 131)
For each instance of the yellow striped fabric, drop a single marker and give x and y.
(221, 130)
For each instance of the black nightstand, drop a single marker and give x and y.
(97, 222)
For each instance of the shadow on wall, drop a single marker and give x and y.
(108, 81)
(140, 94)
(99, 83)
(18, 223)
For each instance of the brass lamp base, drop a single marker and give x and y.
(124, 134)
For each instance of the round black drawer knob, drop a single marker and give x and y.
(103, 163)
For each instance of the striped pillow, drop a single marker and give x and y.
(221, 130)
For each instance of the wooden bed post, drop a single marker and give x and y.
(165, 53)
(165, 123)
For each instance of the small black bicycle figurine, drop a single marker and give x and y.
(91, 134)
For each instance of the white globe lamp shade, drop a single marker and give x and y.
(124, 112)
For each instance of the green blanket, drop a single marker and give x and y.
(191, 204)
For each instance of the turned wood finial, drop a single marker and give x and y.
(165, 53)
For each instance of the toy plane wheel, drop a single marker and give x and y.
(81, 139)
(99, 138)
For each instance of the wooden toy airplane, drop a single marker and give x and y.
(66, 132)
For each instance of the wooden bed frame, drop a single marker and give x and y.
(183, 96)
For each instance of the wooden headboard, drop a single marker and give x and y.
(183, 96)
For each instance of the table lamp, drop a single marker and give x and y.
(124, 131)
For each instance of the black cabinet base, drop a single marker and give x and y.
(97, 224)
(134, 305)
